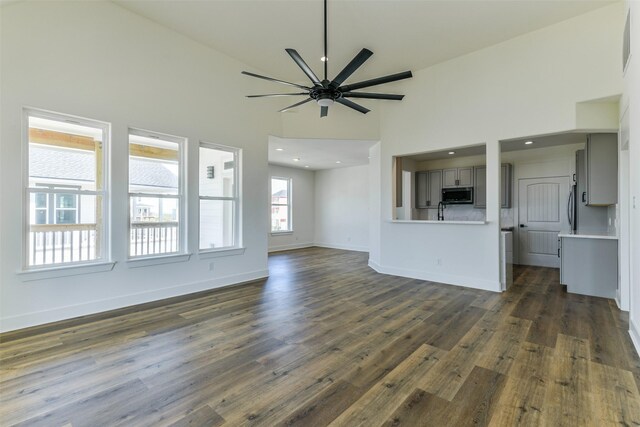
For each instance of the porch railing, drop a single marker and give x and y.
(62, 243)
(152, 238)
(66, 243)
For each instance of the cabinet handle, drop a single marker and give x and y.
(559, 245)
(584, 197)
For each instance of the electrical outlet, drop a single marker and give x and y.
(211, 266)
(439, 261)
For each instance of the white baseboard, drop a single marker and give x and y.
(449, 279)
(635, 335)
(290, 247)
(93, 307)
(356, 248)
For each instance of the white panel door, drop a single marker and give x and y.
(541, 207)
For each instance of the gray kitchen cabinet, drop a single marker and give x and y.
(506, 188)
(449, 177)
(422, 190)
(465, 177)
(480, 187)
(589, 266)
(601, 159)
(457, 177)
(428, 189)
(435, 188)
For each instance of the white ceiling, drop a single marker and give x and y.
(316, 154)
(544, 141)
(403, 34)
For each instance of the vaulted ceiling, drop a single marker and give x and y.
(403, 34)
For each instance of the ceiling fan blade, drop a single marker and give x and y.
(275, 80)
(270, 95)
(353, 105)
(324, 111)
(377, 81)
(351, 67)
(373, 96)
(303, 65)
(294, 105)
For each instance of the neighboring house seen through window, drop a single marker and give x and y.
(66, 190)
(156, 194)
(281, 205)
(218, 178)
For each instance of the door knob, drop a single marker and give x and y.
(522, 226)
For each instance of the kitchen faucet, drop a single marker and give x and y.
(441, 207)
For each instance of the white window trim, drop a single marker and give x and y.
(289, 205)
(103, 263)
(64, 270)
(145, 261)
(236, 248)
(181, 196)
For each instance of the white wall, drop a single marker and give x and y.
(342, 208)
(97, 60)
(525, 86)
(631, 98)
(303, 209)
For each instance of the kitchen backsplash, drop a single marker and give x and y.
(465, 213)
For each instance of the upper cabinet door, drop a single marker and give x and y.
(505, 185)
(465, 177)
(480, 189)
(422, 190)
(602, 169)
(435, 188)
(450, 178)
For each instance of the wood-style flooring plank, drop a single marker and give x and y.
(327, 340)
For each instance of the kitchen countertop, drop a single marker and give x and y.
(588, 236)
(417, 221)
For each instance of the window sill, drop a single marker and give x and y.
(63, 271)
(157, 260)
(217, 253)
(280, 233)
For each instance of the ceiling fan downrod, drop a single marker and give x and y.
(326, 92)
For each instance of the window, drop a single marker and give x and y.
(281, 205)
(156, 195)
(219, 197)
(56, 208)
(66, 190)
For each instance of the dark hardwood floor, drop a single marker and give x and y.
(326, 340)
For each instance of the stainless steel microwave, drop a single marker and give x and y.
(457, 195)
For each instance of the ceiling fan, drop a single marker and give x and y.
(326, 92)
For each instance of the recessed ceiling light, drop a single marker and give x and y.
(279, 149)
(452, 152)
(528, 143)
(324, 59)
(306, 166)
(297, 159)
(338, 161)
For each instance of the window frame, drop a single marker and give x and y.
(236, 198)
(104, 237)
(181, 196)
(289, 204)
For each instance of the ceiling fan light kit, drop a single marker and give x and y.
(326, 92)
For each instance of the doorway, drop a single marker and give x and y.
(542, 203)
